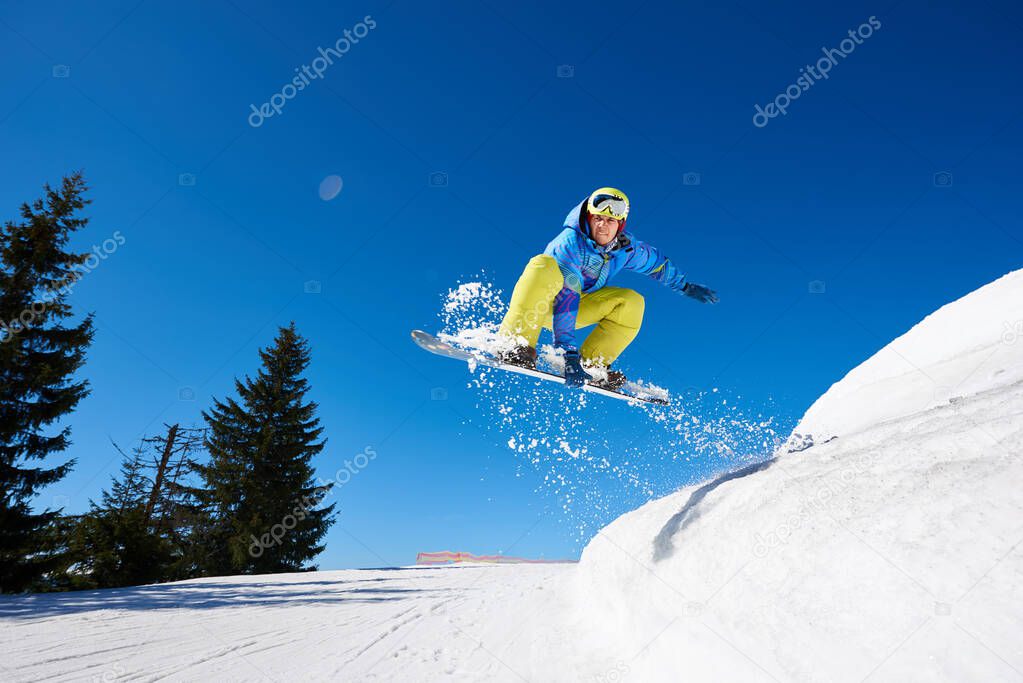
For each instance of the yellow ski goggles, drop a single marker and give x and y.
(607, 201)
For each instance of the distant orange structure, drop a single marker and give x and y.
(448, 557)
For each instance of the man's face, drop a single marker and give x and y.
(603, 229)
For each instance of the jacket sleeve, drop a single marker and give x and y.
(647, 260)
(565, 250)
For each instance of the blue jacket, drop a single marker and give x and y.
(587, 266)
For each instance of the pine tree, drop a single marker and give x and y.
(113, 544)
(169, 510)
(39, 355)
(130, 489)
(174, 453)
(135, 535)
(258, 488)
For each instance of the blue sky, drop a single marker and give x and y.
(842, 189)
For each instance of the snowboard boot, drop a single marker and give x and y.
(613, 382)
(522, 356)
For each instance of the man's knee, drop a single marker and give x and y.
(544, 263)
(634, 301)
(633, 306)
(544, 273)
(533, 297)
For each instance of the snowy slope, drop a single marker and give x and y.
(457, 623)
(969, 345)
(891, 553)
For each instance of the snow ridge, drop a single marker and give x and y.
(965, 347)
(894, 551)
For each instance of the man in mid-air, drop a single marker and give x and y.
(564, 288)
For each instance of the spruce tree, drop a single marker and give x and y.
(113, 544)
(170, 509)
(263, 506)
(137, 533)
(39, 355)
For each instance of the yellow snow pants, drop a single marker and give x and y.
(617, 312)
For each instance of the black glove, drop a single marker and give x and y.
(705, 295)
(575, 376)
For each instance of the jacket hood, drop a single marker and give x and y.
(575, 218)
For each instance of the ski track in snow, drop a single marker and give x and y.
(419, 619)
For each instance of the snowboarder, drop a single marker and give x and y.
(564, 288)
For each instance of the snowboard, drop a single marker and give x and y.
(427, 341)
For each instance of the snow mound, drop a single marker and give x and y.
(894, 552)
(967, 346)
